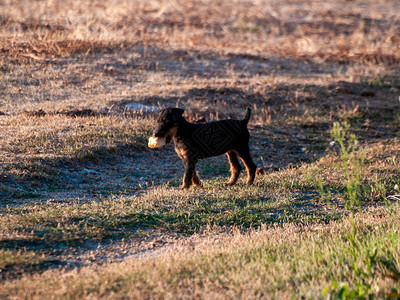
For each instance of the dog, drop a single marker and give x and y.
(198, 141)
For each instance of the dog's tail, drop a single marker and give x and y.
(247, 116)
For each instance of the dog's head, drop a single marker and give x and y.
(167, 123)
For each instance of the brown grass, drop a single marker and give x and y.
(336, 31)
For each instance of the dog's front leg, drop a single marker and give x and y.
(189, 170)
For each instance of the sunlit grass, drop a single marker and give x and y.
(278, 261)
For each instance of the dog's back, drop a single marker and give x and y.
(219, 137)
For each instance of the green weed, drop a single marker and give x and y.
(378, 82)
(362, 256)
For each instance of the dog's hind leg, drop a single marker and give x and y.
(249, 164)
(235, 167)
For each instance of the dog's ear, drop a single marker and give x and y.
(177, 114)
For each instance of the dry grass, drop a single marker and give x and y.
(82, 197)
(335, 31)
(58, 136)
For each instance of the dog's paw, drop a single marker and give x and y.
(197, 183)
(184, 187)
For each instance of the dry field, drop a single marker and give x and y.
(87, 210)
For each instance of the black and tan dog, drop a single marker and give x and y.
(197, 141)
